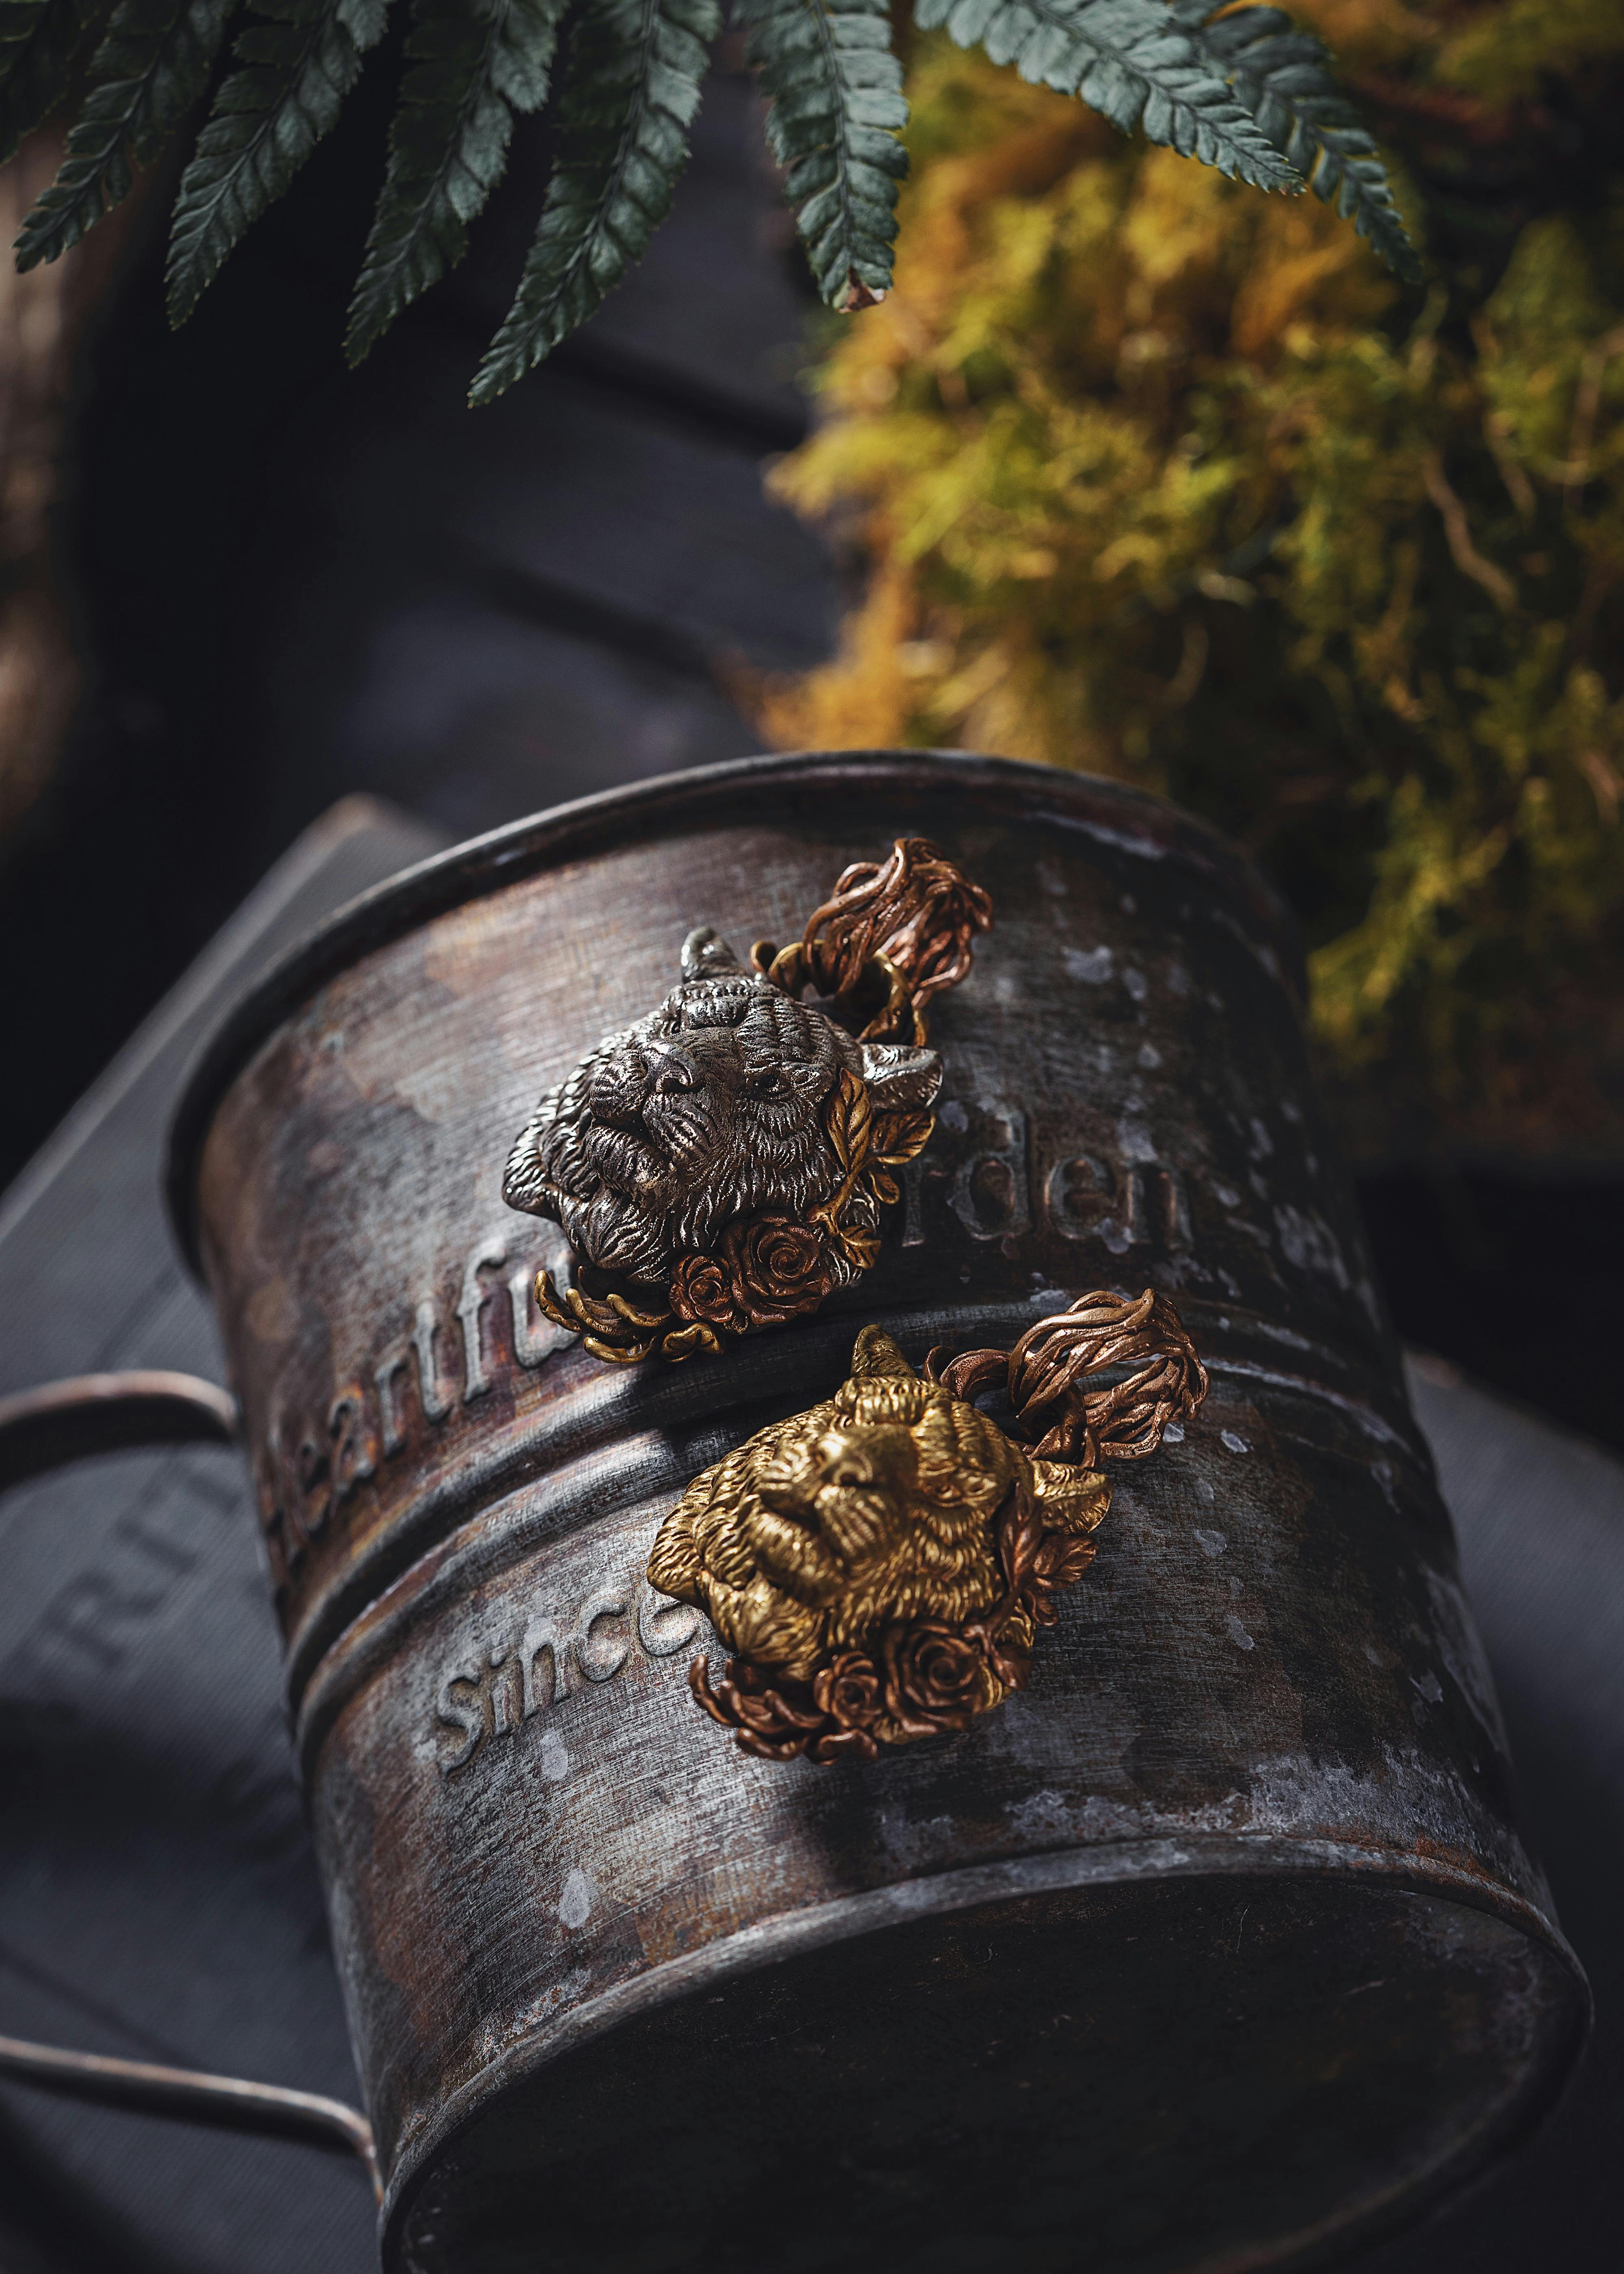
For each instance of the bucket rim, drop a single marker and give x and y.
(1149, 1861)
(1117, 812)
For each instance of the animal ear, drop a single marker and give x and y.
(524, 1181)
(900, 1079)
(1072, 1499)
(873, 1352)
(704, 952)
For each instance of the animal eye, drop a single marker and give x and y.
(769, 1082)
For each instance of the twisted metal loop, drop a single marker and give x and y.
(910, 919)
(1045, 1376)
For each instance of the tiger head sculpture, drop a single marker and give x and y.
(715, 1108)
(849, 1555)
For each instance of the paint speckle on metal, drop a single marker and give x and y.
(575, 1903)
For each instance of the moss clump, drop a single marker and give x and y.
(1161, 478)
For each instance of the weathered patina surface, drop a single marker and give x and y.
(1216, 1941)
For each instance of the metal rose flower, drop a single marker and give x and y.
(935, 1679)
(777, 1268)
(915, 909)
(850, 1691)
(702, 1291)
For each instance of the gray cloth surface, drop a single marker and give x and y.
(159, 1899)
(1540, 1517)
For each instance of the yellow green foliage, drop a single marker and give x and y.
(1165, 479)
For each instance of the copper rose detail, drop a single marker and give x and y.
(851, 1696)
(777, 1268)
(850, 1691)
(772, 1719)
(916, 909)
(935, 1677)
(702, 1291)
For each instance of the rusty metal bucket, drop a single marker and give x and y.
(1217, 1947)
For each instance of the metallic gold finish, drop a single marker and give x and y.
(726, 1159)
(879, 1565)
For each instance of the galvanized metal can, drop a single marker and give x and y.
(1215, 1947)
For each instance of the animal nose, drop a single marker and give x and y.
(668, 1072)
(623, 1085)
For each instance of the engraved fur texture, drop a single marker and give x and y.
(711, 1108)
(877, 1506)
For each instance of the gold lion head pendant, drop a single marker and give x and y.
(879, 1566)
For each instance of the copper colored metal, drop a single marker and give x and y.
(914, 916)
(1216, 1946)
(41, 1428)
(1048, 1374)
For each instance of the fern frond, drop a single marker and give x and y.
(267, 119)
(630, 94)
(838, 106)
(471, 68)
(1284, 78)
(38, 41)
(152, 65)
(1133, 60)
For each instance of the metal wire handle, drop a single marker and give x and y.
(39, 1430)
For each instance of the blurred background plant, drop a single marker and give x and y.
(43, 316)
(1152, 476)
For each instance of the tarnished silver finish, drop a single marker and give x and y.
(722, 1165)
(1214, 1946)
(729, 1076)
(710, 1108)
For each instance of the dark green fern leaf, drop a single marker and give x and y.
(629, 94)
(38, 41)
(152, 65)
(1283, 76)
(1131, 59)
(838, 106)
(267, 119)
(472, 66)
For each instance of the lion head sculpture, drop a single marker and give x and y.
(711, 1133)
(876, 1565)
